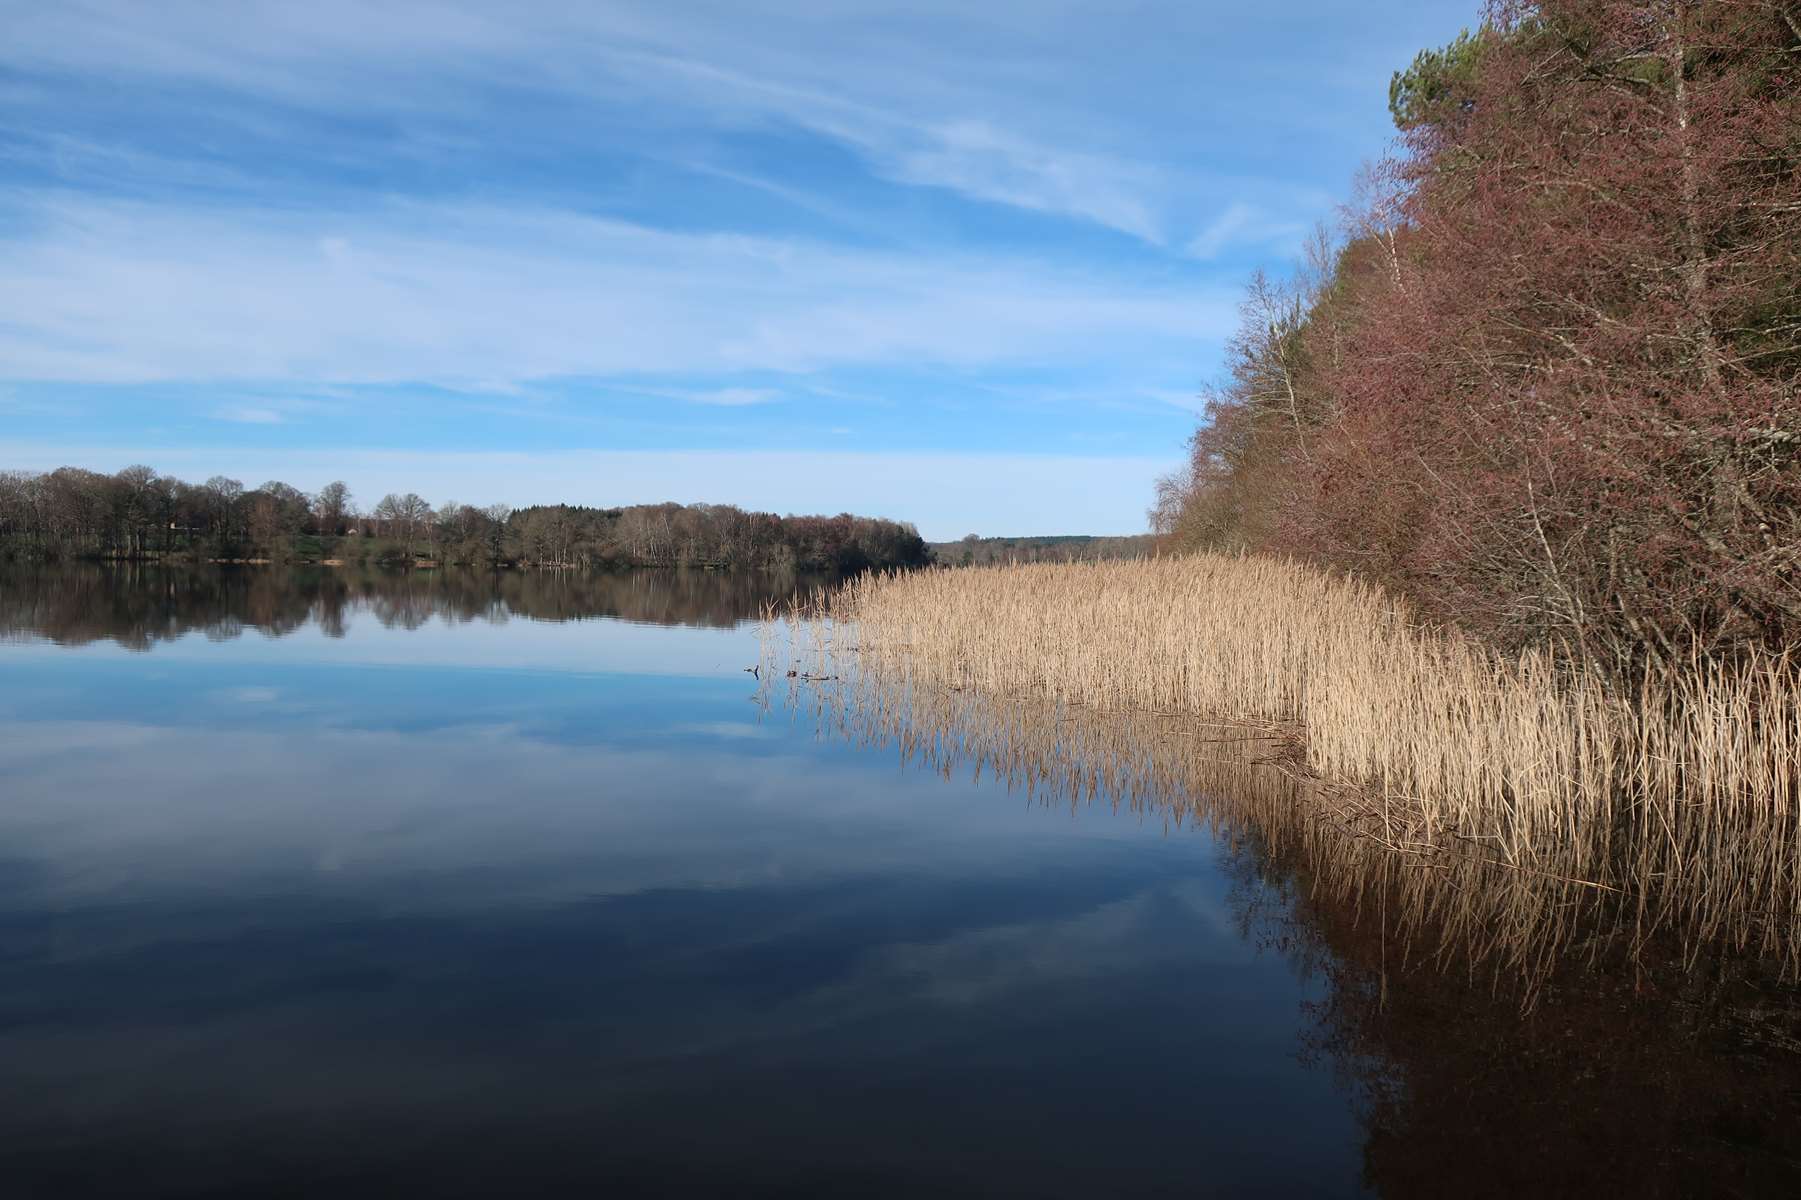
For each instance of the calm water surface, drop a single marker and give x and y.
(318, 883)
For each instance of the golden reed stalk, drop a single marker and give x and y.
(1673, 807)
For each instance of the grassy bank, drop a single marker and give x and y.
(1673, 805)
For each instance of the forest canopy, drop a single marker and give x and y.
(1545, 380)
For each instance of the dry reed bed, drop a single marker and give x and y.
(1673, 808)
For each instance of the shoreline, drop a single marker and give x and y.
(1669, 809)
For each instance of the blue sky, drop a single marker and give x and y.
(966, 265)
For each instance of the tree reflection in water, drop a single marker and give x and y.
(1589, 1076)
(139, 605)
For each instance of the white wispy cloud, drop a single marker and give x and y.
(1243, 224)
(112, 291)
(921, 96)
(253, 409)
(723, 397)
(734, 397)
(1188, 401)
(243, 414)
(979, 160)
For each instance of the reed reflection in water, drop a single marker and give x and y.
(1593, 1073)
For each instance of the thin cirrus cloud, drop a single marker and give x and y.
(338, 57)
(732, 397)
(122, 292)
(974, 158)
(1242, 224)
(970, 156)
(245, 414)
(1064, 108)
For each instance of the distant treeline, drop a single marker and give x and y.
(974, 551)
(140, 514)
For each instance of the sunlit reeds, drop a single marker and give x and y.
(1531, 780)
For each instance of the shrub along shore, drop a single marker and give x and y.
(1671, 804)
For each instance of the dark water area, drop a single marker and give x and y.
(318, 882)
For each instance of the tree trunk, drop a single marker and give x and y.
(1694, 253)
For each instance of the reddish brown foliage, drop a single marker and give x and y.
(1551, 388)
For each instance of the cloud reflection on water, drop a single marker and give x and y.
(253, 898)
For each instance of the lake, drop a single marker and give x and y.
(318, 882)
